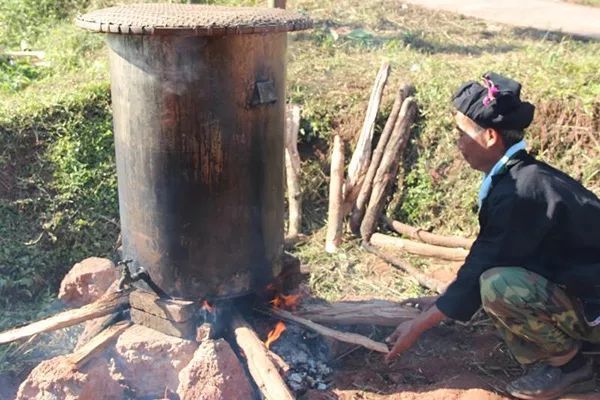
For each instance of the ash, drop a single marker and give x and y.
(306, 353)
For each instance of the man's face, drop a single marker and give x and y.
(474, 143)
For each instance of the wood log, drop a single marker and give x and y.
(277, 3)
(358, 208)
(97, 344)
(335, 216)
(108, 304)
(359, 163)
(260, 365)
(171, 309)
(281, 365)
(388, 167)
(183, 329)
(422, 249)
(424, 280)
(428, 237)
(368, 312)
(292, 168)
(346, 337)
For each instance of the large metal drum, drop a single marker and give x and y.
(198, 98)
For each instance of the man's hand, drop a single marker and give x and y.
(407, 333)
(421, 303)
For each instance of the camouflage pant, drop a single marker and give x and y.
(536, 318)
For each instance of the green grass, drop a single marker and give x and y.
(593, 3)
(57, 183)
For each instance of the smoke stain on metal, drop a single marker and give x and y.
(198, 103)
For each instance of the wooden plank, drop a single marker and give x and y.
(184, 330)
(346, 337)
(260, 364)
(97, 344)
(367, 312)
(174, 310)
(108, 304)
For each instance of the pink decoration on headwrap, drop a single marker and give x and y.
(492, 91)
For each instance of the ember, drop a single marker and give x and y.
(287, 302)
(275, 333)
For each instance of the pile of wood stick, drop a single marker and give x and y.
(361, 195)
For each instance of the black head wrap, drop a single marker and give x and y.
(495, 104)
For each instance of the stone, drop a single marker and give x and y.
(87, 281)
(214, 373)
(56, 379)
(150, 361)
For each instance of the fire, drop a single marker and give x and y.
(206, 306)
(288, 302)
(275, 333)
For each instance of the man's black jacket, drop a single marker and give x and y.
(534, 217)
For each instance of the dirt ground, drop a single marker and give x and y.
(450, 362)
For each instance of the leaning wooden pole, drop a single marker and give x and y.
(428, 237)
(336, 184)
(388, 167)
(276, 3)
(359, 163)
(292, 168)
(260, 365)
(424, 280)
(106, 305)
(358, 208)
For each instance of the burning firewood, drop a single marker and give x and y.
(362, 154)
(335, 215)
(358, 208)
(260, 364)
(424, 280)
(281, 365)
(292, 168)
(422, 249)
(388, 167)
(428, 237)
(346, 337)
(107, 304)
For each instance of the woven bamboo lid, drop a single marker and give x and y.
(191, 19)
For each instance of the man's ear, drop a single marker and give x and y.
(492, 137)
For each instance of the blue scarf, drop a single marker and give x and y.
(486, 185)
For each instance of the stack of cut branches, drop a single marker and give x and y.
(371, 172)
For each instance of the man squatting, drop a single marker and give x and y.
(535, 265)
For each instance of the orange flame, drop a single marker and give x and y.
(206, 306)
(288, 302)
(275, 333)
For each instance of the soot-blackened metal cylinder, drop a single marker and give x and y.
(198, 122)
